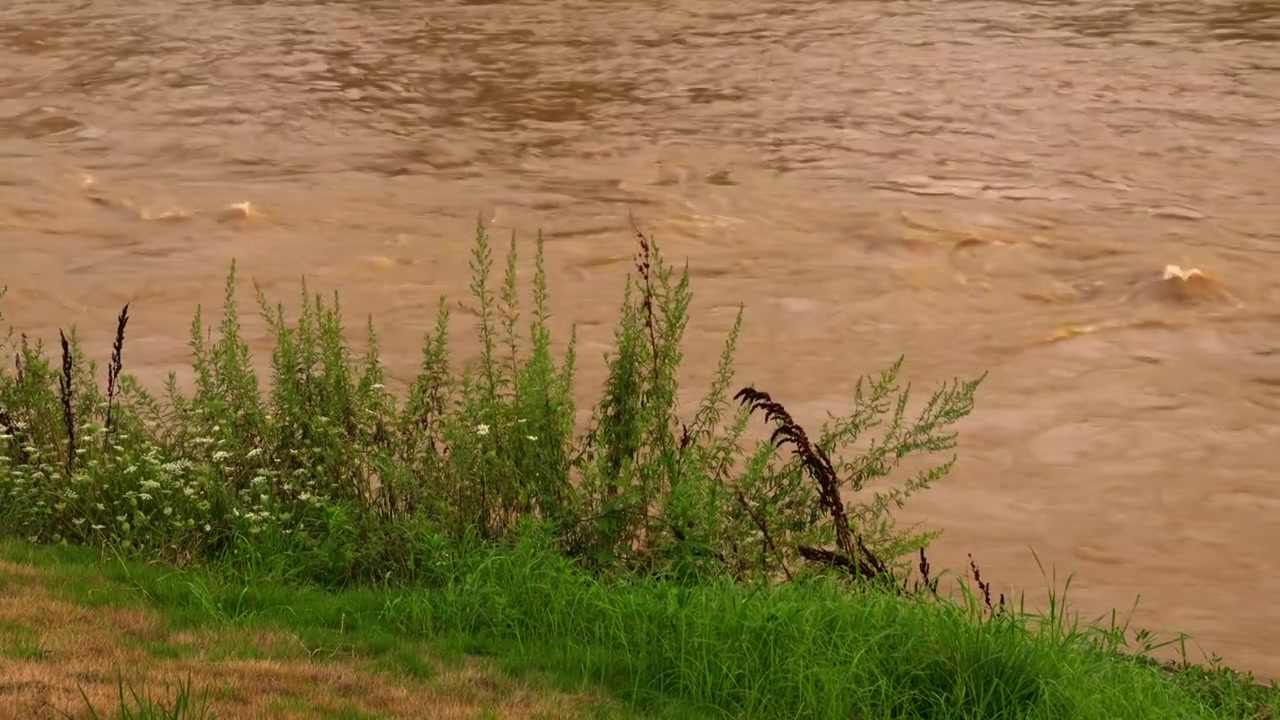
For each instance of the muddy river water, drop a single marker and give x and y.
(981, 185)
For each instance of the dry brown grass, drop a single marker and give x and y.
(51, 649)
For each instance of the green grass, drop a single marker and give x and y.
(665, 558)
(159, 628)
(721, 649)
(140, 704)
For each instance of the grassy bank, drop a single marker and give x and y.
(519, 632)
(665, 561)
(86, 635)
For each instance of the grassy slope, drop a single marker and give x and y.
(558, 644)
(71, 623)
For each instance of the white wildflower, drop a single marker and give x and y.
(482, 429)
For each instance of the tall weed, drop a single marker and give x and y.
(327, 475)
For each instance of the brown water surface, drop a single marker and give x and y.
(979, 184)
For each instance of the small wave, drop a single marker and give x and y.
(1189, 286)
(243, 210)
(172, 214)
(969, 188)
(1068, 331)
(238, 211)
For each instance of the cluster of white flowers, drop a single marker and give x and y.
(483, 429)
(127, 488)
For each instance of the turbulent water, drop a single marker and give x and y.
(1081, 197)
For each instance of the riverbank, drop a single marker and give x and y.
(664, 561)
(86, 633)
(517, 632)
